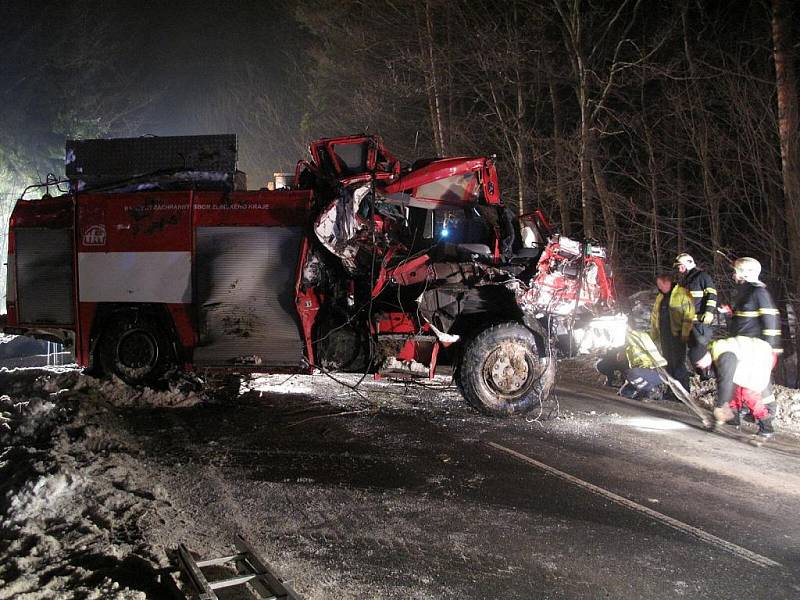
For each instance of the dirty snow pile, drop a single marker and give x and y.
(73, 493)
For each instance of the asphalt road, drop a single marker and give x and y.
(409, 493)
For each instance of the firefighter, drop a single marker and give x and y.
(636, 361)
(704, 294)
(642, 357)
(743, 365)
(754, 312)
(671, 322)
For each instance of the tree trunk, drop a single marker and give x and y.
(584, 162)
(655, 232)
(680, 209)
(521, 137)
(435, 92)
(712, 202)
(609, 217)
(561, 194)
(786, 85)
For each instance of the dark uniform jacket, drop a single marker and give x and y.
(701, 289)
(755, 315)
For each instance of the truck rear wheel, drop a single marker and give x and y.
(502, 372)
(135, 349)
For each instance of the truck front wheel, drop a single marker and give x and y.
(502, 372)
(135, 349)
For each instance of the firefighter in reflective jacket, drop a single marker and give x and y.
(754, 312)
(743, 365)
(671, 324)
(704, 294)
(643, 357)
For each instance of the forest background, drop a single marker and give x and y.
(656, 127)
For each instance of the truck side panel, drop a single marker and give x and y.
(41, 299)
(44, 276)
(135, 248)
(247, 247)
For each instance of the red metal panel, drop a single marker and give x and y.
(48, 212)
(86, 314)
(184, 324)
(396, 322)
(437, 169)
(308, 304)
(141, 222)
(261, 208)
(411, 271)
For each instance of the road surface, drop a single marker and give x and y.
(408, 493)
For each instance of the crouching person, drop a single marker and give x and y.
(642, 381)
(743, 366)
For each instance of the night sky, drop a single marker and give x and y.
(175, 62)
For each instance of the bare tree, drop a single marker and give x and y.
(594, 41)
(786, 86)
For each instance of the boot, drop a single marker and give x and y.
(765, 429)
(722, 414)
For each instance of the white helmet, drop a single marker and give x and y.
(684, 260)
(746, 269)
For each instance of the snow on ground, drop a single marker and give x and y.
(73, 493)
(83, 515)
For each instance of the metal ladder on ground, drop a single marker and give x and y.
(251, 569)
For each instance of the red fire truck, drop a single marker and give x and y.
(157, 258)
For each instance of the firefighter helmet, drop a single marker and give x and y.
(684, 260)
(746, 269)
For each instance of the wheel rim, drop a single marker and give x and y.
(137, 350)
(509, 369)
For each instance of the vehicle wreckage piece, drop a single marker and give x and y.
(363, 265)
(570, 276)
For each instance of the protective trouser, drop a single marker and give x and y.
(699, 338)
(754, 401)
(674, 351)
(644, 380)
(736, 396)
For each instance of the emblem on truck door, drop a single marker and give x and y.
(94, 235)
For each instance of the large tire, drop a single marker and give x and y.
(134, 348)
(340, 346)
(502, 372)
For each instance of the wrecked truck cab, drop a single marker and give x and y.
(433, 260)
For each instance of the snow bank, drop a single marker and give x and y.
(74, 491)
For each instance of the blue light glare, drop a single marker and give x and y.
(444, 233)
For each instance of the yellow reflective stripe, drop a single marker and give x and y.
(771, 331)
(746, 313)
(769, 311)
(710, 291)
(696, 294)
(711, 303)
(778, 350)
